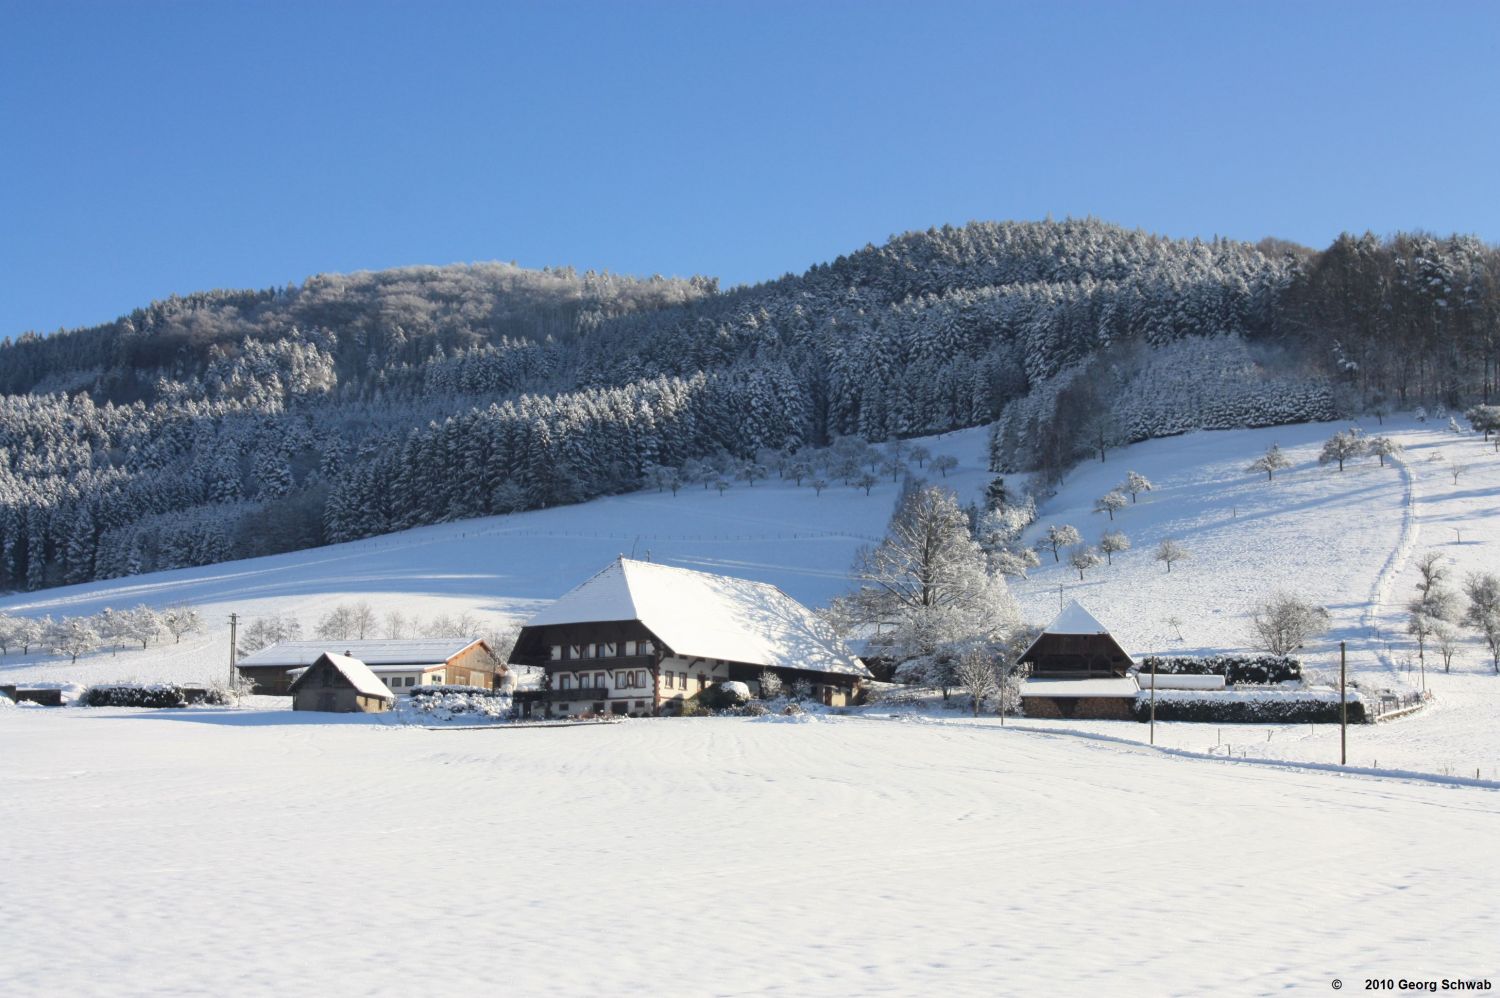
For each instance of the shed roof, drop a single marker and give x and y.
(1074, 620)
(702, 615)
(1111, 686)
(359, 675)
(415, 652)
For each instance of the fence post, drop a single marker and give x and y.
(1343, 707)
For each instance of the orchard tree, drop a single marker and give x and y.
(1136, 483)
(1112, 543)
(944, 463)
(1059, 536)
(867, 482)
(1170, 550)
(818, 485)
(1483, 613)
(1110, 502)
(1384, 447)
(1083, 558)
(1270, 462)
(74, 636)
(1284, 622)
(1346, 445)
(180, 620)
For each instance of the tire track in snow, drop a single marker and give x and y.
(1411, 527)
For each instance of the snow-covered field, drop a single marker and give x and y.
(244, 852)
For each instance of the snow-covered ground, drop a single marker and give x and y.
(244, 852)
(901, 852)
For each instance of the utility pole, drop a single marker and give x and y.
(234, 623)
(1153, 699)
(1343, 707)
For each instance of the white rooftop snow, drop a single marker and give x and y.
(700, 615)
(359, 675)
(424, 652)
(1110, 686)
(1074, 619)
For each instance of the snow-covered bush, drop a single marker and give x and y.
(733, 693)
(1258, 669)
(445, 702)
(770, 685)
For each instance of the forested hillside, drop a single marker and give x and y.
(228, 423)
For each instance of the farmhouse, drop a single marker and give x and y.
(339, 684)
(401, 664)
(1078, 669)
(641, 638)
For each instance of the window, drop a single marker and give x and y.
(437, 678)
(562, 708)
(577, 651)
(644, 647)
(630, 647)
(608, 649)
(565, 682)
(622, 680)
(618, 708)
(682, 680)
(556, 653)
(640, 705)
(601, 679)
(592, 649)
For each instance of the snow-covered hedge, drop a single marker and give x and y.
(417, 692)
(445, 702)
(152, 695)
(1249, 707)
(1234, 668)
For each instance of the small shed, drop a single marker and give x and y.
(1075, 645)
(340, 684)
(1077, 670)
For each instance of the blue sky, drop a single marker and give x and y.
(156, 148)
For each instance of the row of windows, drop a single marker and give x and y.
(628, 679)
(600, 649)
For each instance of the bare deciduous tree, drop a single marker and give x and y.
(1057, 537)
(975, 675)
(1083, 558)
(1270, 462)
(1109, 503)
(1112, 543)
(1284, 622)
(1170, 550)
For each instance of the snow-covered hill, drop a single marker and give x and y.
(1345, 539)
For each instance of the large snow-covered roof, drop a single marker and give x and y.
(1110, 686)
(425, 652)
(358, 674)
(700, 615)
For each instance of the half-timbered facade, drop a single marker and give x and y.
(641, 639)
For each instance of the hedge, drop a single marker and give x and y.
(1308, 707)
(1234, 668)
(152, 695)
(429, 691)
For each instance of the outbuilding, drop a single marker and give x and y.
(1078, 670)
(342, 685)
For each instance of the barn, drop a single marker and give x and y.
(342, 685)
(1077, 669)
(401, 663)
(643, 638)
